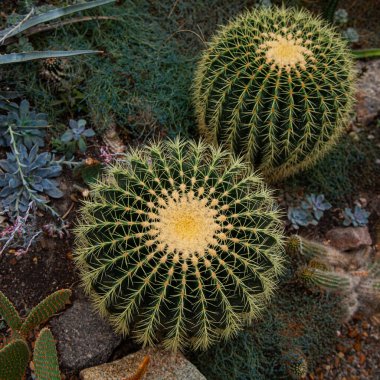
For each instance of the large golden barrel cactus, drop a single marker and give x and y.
(182, 243)
(275, 86)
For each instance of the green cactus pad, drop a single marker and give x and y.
(183, 244)
(45, 309)
(9, 313)
(45, 357)
(275, 86)
(14, 359)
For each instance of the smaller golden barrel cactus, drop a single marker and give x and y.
(296, 364)
(275, 86)
(183, 243)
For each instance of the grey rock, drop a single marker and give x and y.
(83, 338)
(162, 365)
(368, 91)
(349, 238)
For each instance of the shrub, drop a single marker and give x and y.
(183, 242)
(275, 86)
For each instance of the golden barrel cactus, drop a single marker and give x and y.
(275, 86)
(181, 243)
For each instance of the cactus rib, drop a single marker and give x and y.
(184, 242)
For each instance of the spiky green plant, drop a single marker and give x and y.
(275, 86)
(45, 357)
(45, 310)
(182, 243)
(14, 358)
(314, 276)
(296, 364)
(307, 250)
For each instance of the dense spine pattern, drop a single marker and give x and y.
(9, 313)
(14, 359)
(275, 86)
(45, 357)
(183, 244)
(45, 310)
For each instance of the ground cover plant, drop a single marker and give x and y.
(106, 181)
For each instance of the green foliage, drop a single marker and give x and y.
(28, 23)
(181, 242)
(295, 321)
(14, 358)
(9, 313)
(346, 169)
(45, 357)
(52, 304)
(142, 82)
(275, 86)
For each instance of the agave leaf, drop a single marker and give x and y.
(51, 15)
(30, 56)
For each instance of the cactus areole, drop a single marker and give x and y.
(275, 86)
(182, 244)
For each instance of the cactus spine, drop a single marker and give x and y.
(275, 86)
(184, 243)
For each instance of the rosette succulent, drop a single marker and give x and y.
(25, 177)
(28, 126)
(275, 86)
(183, 243)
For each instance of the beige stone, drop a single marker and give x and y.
(348, 238)
(163, 365)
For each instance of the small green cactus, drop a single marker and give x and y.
(45, 310)
(14, 359)
(315, 276)
(275, 86)
(183, 243)
(45, 357)
(14, 356)
(9, 313)
(296, 364)
(300, 247)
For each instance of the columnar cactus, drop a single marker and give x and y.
(275, 86)
(296, 364)
(183, 243)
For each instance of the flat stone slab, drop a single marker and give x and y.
(163, 365)
(84, 339)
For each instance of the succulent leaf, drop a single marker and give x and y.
(14, 358)
(45, 357)
(9, 313)
(183, 242)
(26, 176)
(45, 310)
(275, 86)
